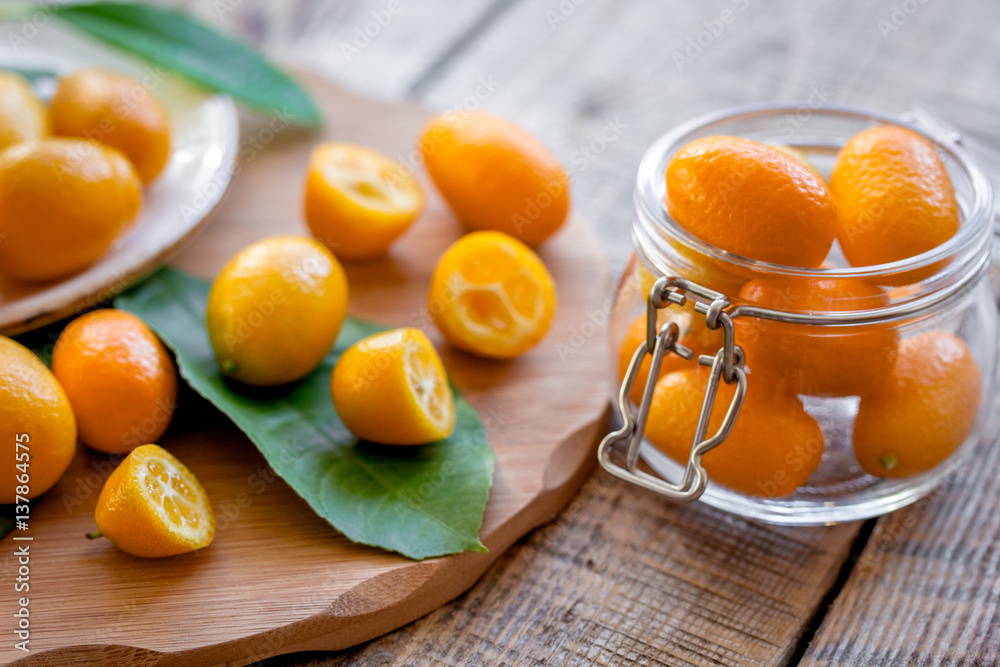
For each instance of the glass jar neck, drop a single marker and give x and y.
(919, 283)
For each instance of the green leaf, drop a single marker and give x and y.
(420, 501)
(174, 40)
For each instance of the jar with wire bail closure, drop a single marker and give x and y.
(794, 395)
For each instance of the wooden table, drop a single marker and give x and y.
(622, 577)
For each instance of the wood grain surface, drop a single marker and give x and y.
(622, 578)
(926, 588)
(278, 578)
(600, 586)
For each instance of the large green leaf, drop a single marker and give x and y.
(176, 41)
(420, 501)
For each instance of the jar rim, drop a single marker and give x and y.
(969, 248)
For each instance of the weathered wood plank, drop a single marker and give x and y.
(379, 48)
(926, 588)
(622, 577)
(567, 77)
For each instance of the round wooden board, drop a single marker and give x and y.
(279, 579)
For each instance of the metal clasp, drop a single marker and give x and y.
(726, 366)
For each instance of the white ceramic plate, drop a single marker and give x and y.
(205, 139)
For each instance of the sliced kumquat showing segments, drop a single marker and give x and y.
(392, 388)
(491, 295)
(358, 201)
(425, 376)
(153, 506)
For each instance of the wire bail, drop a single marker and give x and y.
(726, 366)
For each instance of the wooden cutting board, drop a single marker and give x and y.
(279, 579)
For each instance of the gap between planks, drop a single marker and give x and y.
(809, 630)
(460, 44)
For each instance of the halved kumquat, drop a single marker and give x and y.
(492, 295)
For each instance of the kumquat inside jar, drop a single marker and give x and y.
(806, 332)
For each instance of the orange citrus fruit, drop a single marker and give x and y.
(495, 175)
(115, 110)
(751, 199)
(811, 359)
(391, 388)
(119, 378)
(62, 203)
(645, 279)
(274, 311)
(358, 201)
(774, 447)
(36, 425)
(153, 506)
(694, 334)
(22, 116)
(925, 410)
(798, 154)
(894, 196)
(492, 296)
(717, 274)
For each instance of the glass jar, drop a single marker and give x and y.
(835, 361)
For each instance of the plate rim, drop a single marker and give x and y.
(42, 308)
